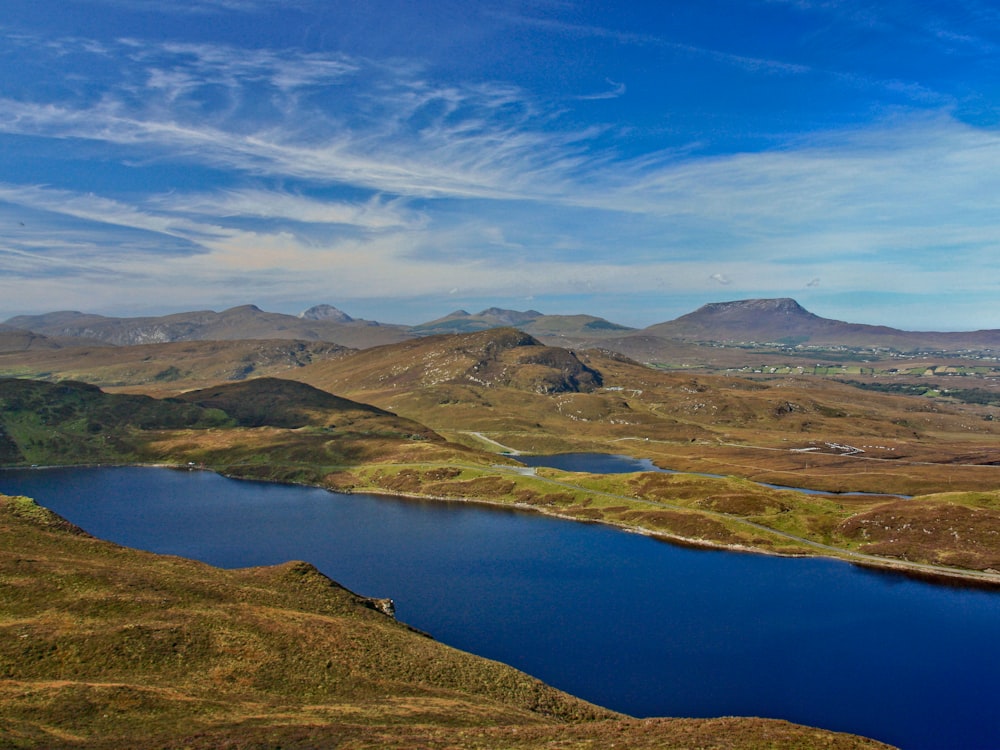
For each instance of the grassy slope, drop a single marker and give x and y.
(265, 428)
(78, 423)
(157, 367)
(106, 647)
(707, 423)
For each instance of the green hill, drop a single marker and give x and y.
(74, 422)
(266, 428)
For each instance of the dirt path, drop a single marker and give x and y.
(491, 441)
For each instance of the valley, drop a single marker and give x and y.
(445, 416)
(434, 416)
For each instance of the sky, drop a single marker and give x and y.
(402, 159)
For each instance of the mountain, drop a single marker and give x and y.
(552, 327)
(462, 322)
(326, 312)
(784, 321)
(779, 321)
(18, 340)
(244, 322)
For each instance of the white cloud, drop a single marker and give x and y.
(616, 90)
(479, 188)
(374, 214)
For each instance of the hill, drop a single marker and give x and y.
(20, 340)
(266, 428)
(530, 321)
(543, 399)
(462, 322)
(70, 423)
(497, 357)
(158, 367)
(276, 402)
(244, 322)
(106, 647)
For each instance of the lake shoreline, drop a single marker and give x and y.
(919, 571)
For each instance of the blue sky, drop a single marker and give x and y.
(400, 160)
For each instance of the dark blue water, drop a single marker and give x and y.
(605, 463)
(596, 463)
(619, 619)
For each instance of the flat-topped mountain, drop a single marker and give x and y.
(785, 321)
(781, 320)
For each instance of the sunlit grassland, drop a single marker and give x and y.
(725, 511)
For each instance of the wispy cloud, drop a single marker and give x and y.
(373, 214)
(616, 90)
(199, 7)
(745, 62)
(325, 170)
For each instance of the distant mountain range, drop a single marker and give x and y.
(320, 323)
(754, 321)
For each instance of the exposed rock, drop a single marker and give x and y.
(325, 312)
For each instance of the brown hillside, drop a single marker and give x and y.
(811, 432)
(275, 402)
(105, 647)
(166, 368)
(496, 358)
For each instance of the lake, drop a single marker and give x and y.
(608, 463)
(619, 619)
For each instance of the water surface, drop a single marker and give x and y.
(620, 619)
(607, 463)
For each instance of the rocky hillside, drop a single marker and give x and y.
(496, 358)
